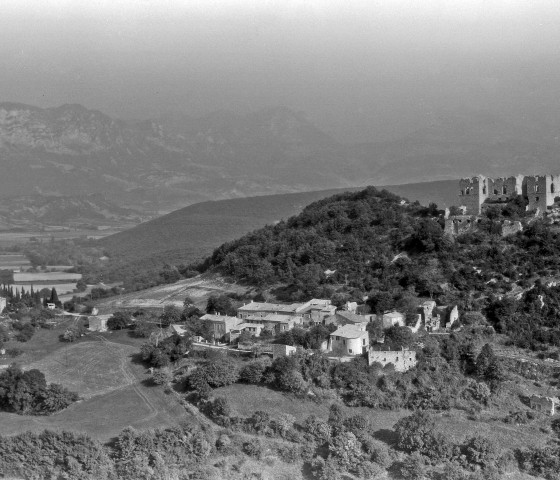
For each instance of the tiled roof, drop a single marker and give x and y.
(349, 331)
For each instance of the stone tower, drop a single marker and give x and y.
(472, 193)
(541, 191)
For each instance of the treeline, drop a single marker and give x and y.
(27, 393)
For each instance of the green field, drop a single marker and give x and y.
(113, 386)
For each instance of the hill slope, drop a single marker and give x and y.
(191, 233)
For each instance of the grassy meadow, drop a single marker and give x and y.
(112, 383)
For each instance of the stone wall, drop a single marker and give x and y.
(403, 360)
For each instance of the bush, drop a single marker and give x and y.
(481, 451)
(253, 371)
(216, 373)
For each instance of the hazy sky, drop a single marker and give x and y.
(361, 69)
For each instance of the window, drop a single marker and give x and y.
(552, 188)
(396, 359)
(536, 199)
(462, 192)
(504, 190)
(484, 190)
(495, 191)
(343, 342)
(363, 341)
(536, 188)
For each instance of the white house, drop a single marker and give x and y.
(3, 303)
(349, 340)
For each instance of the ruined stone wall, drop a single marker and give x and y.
(511, 228)
(541, 191)
(403, 360)
(472, 193)
(504, 188)
(460, 224)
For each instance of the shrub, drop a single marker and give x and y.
(481, 451)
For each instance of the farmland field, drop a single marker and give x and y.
(46, 277)
(113, 387)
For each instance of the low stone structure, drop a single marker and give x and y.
(403, 360)
(98, 323)
(543, 404)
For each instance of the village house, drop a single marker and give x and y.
(314, 311)
(3, 303)
(402, 360)
(221, 324)
(349, 340)
(546, 405)
(343, 317)
(275, 323)
(393, 318)
(252, 328)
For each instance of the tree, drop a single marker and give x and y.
(54, 298)
(488, 365)
(221, 304)
(415, 433)
(398, 337)
(216, 373)
(171, 314)
(414, 467)
(162, 376)
(119, 320)
(481, 451)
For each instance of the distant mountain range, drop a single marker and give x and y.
(165, 163)
(33, 212)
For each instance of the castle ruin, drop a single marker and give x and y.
(539, 190)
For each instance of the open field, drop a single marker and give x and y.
(8, 239)
(114, 388)
(199, 288)
(13, 261)
(46, 277)
(42, 344)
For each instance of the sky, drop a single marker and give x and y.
(361, 70)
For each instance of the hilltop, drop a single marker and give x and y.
(191, 233)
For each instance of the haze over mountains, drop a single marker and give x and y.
(172, 161)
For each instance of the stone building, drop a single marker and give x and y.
(539, 190)
(349, 340)
(544, 404)
(2, 304)
(403, 360)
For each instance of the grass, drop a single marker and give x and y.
(44, 342)
(115, 390)
(246, 399)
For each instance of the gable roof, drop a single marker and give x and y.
(349, 331)
(352, 317)
(271, 307)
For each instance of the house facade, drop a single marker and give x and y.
(349, 340)
(220, 324)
